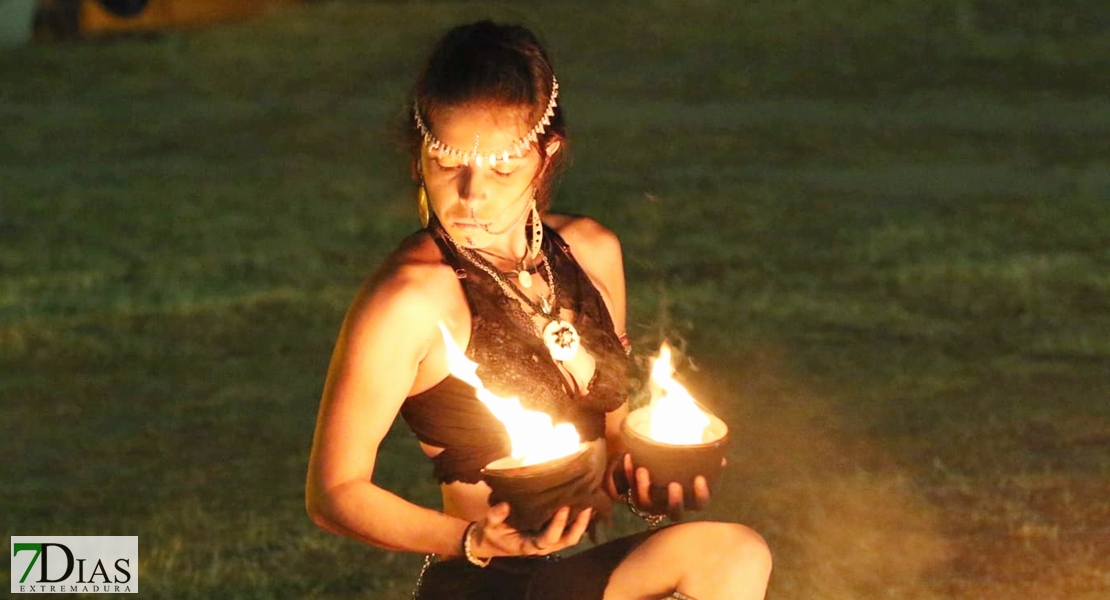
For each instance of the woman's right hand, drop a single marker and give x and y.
(494, 537)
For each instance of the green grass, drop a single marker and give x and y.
(880, 231)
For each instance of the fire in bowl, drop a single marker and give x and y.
(535, 492)
(669, 462)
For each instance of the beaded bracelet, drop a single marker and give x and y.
(653, 520)
(466, 550)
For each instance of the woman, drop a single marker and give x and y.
(538, 301)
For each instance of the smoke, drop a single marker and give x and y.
(842, 520)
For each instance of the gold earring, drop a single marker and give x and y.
(422, 206)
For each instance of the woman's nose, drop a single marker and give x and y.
(472, 185)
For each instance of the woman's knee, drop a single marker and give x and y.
(734, 547)
(700, 555)
(751, 546)
(735, 563)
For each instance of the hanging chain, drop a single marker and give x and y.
(428, 560)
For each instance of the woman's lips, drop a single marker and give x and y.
(469, 225)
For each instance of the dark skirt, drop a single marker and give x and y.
(582, 576)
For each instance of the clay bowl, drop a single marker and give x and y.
(535, 492)
(673, 462)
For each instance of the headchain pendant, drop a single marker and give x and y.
(517, 148)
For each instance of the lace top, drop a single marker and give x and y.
(513, 361)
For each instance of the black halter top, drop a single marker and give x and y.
(513, 361)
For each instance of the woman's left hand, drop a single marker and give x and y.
(641, 493)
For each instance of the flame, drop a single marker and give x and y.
(675, 417)
(533, 436)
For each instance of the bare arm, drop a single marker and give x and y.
(390, 346)
(384, 339)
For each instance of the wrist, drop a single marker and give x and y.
(653, 520)
(468, 545)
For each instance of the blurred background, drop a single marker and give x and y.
(24, 20)
(878, 230)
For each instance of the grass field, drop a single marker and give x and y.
(880, 230)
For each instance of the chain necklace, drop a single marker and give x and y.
(520, 271)
(559, 336)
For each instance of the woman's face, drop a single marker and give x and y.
(470, 199)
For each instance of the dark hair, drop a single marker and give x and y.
(485, 63)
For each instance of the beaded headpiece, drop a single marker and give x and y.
(517, 148)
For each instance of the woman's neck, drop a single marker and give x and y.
(507, 251)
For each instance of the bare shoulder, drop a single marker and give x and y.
(598, 251)
(412, 281)
(589, 240)
(418, 262)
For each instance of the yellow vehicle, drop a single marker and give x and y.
(84, 18)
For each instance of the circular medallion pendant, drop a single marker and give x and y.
(561, 339)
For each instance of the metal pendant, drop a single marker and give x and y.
(524, 278)
(561, 339)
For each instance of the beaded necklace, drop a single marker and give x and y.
(559, 336)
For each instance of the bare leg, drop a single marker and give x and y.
(702, 560)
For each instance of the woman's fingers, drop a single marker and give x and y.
(643, 487)
(674, 500)
(675, 494)
(701, 492)
(616, 479)
(629, 472)
(557, 524)
(558, 534)
(578, 528)
(676, 497)
(498, 538)
(547, 540)
(497, 514)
